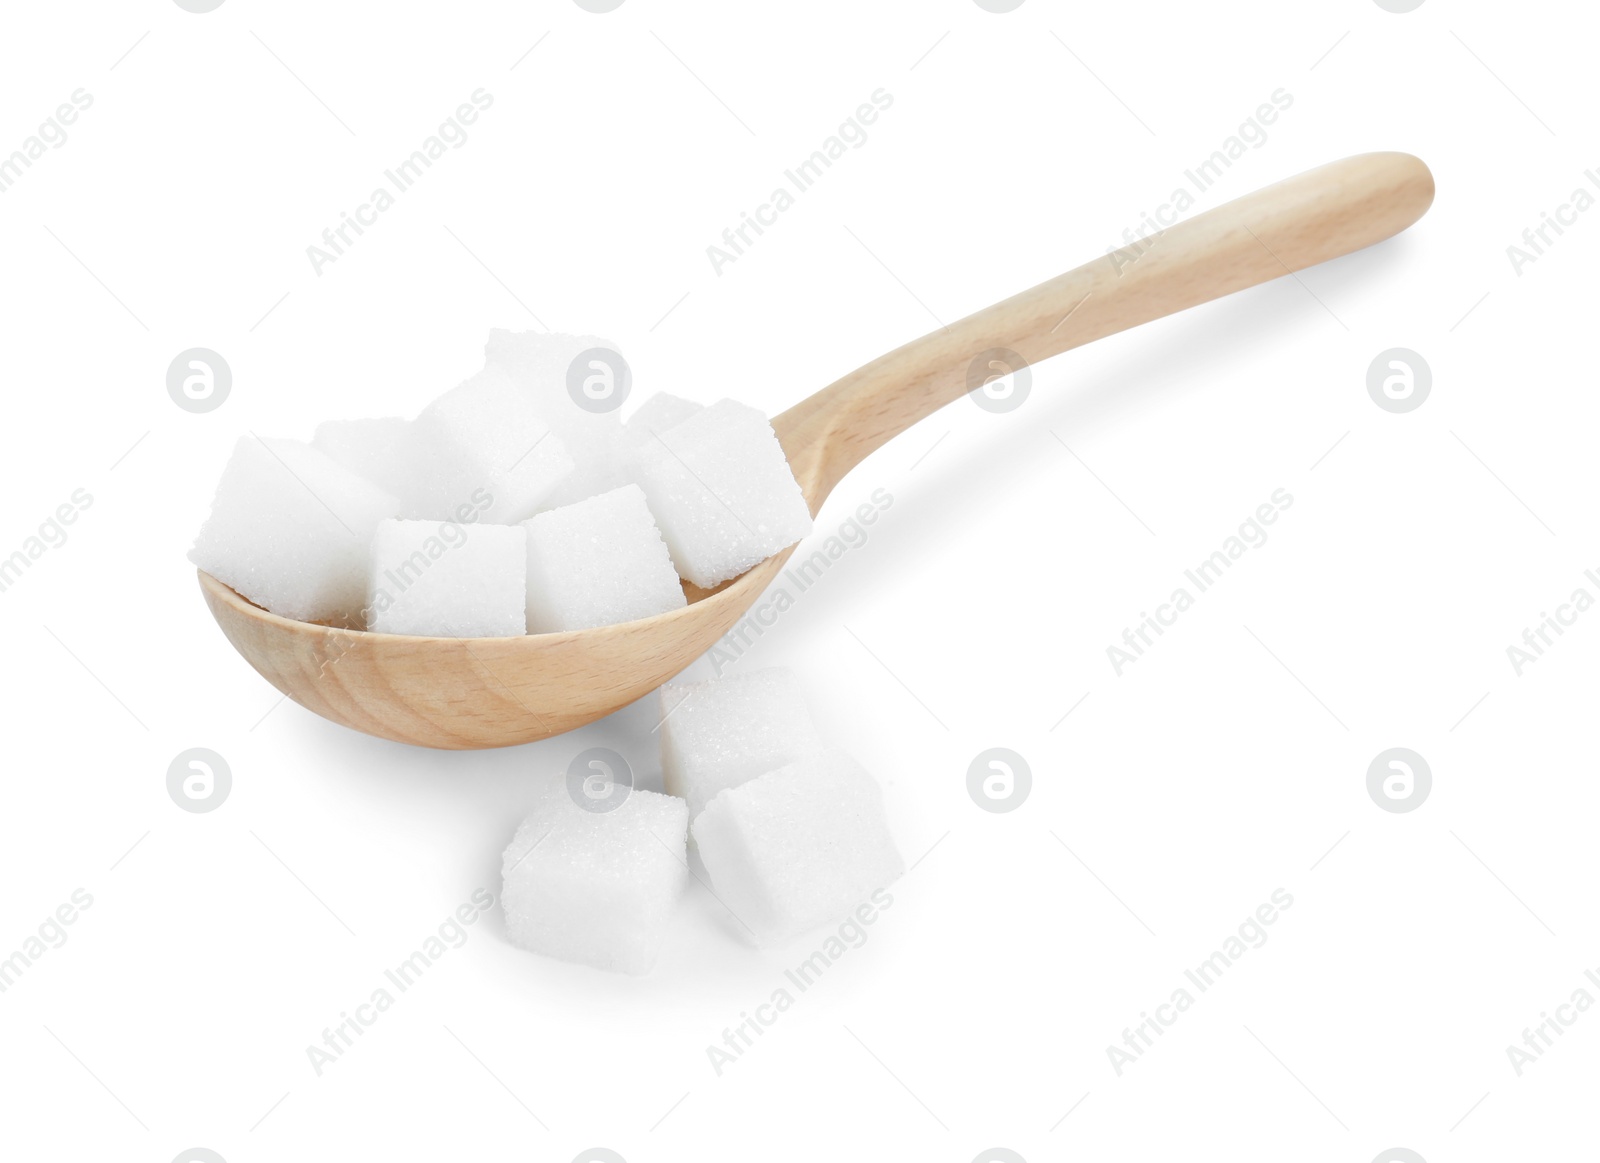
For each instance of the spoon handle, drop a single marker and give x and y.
(1307, 219)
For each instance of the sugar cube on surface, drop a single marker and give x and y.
(798, 847)
(539, 364)
(290, 529)
(596, 562)
(482, 447)
(659, 413)
(596, 887)
(719, 733)
(721, 491)
(446, 579)
(375, 449)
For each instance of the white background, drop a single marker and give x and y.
(1229, 762)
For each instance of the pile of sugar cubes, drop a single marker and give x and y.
(516, 503)
(792, 834)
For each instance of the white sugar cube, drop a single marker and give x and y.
(659, 413)
(539, 364)
(375, 449)
(446, 579)
(798, 847)
(722, 732)
(482, 447)
(290, 529)
(596, 887)
(721, 491)
(596, 562)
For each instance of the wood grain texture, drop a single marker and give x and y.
(493, 692)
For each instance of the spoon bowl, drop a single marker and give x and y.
(463, 693)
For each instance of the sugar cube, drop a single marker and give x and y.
(721, 491)
(539, 363)
(290, 529)
(596, 887)
(447, 579)
(719, 733)
(659, 413)
(798, 847)
(596, 562)
(481, 446)
(375, 449)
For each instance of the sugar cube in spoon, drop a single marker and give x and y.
(291, 528)
(722, 492)
(446, 579)
(596, 562)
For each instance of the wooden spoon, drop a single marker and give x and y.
(492, 692)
